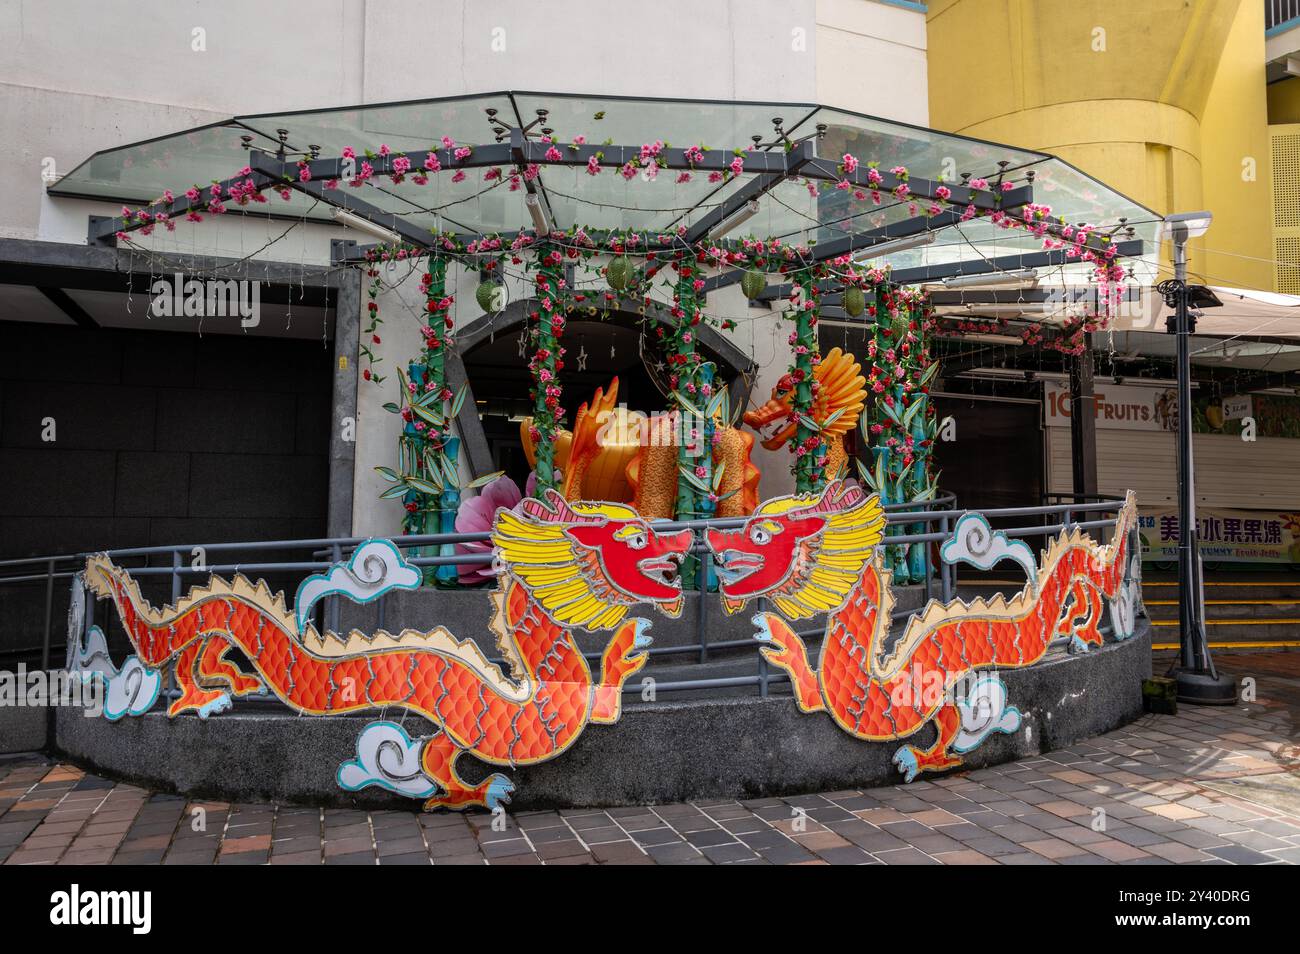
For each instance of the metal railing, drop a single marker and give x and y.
(936, 518)
(1280, 12)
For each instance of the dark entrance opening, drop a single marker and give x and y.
(996, 458)
(120, 438)
(598, 350)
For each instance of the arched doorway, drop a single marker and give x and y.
(599, 348)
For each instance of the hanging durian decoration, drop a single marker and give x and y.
(855, 302)
(491, 296)
(752, 283)
(619, 273)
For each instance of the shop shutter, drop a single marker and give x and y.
(1229, 473)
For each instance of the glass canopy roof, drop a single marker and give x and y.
(139, 173)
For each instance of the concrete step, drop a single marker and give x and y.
(1265, 589)
(1281, 633)
(1224, 610)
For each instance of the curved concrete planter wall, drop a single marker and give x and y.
(666, 751)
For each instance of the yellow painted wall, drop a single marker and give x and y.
(1160, 99)
(1236, 161)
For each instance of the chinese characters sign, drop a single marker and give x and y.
(1244, 536)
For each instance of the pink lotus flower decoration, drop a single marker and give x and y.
(475, 516)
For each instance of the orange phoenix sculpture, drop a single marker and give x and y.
(564, 565)
(813, 554)
(839, 394)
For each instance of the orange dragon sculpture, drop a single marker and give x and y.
(815, 554)
(839, 394)
(564, 565)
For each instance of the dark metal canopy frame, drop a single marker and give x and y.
(906, 210)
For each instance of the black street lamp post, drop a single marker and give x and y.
(1198, 680)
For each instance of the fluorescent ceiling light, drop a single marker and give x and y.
(1014, 374)
(736, 219)
(538, 212)
(1145, 382)
(1022, 277)
(353, 221)
(990, 339)
(897, 245)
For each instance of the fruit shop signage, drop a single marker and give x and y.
(1241, 536)
(1116, 406)
(1134, 408)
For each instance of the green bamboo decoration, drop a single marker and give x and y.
(546, 330)
(808, 445)
(691, 378)
(427, 480)
(898, 426)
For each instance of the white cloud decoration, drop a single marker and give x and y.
(375, 567)
(975, 542)
(129, 691)
(389, 758)
(1124, 607)
(984, 710)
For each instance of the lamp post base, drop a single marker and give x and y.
(1200, 688)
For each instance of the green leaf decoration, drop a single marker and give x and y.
(400, 490)
(686, 405)
(694, 481)
(449, 471)
(430, 415)
(424, 486)
(392, 408)
(458, 401)
(866, 475)
(486, 479)
(717, 475)
(389, 474)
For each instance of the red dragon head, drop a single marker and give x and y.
(805, 552)
(586, 563)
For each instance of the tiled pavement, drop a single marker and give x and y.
(1207, 786)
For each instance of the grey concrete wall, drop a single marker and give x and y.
(23, 728)
(160, 439)
(664, 751)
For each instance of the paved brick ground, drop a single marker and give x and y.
(1209, 786)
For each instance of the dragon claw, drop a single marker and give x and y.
(905, 760)
(221, 703)
(764, 633)
(1078, 645)
(498, 791)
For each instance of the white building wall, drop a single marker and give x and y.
(86, 75)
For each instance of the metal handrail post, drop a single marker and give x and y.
(945, 568)
(49, 614)
(334, 611)
(704, 563)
